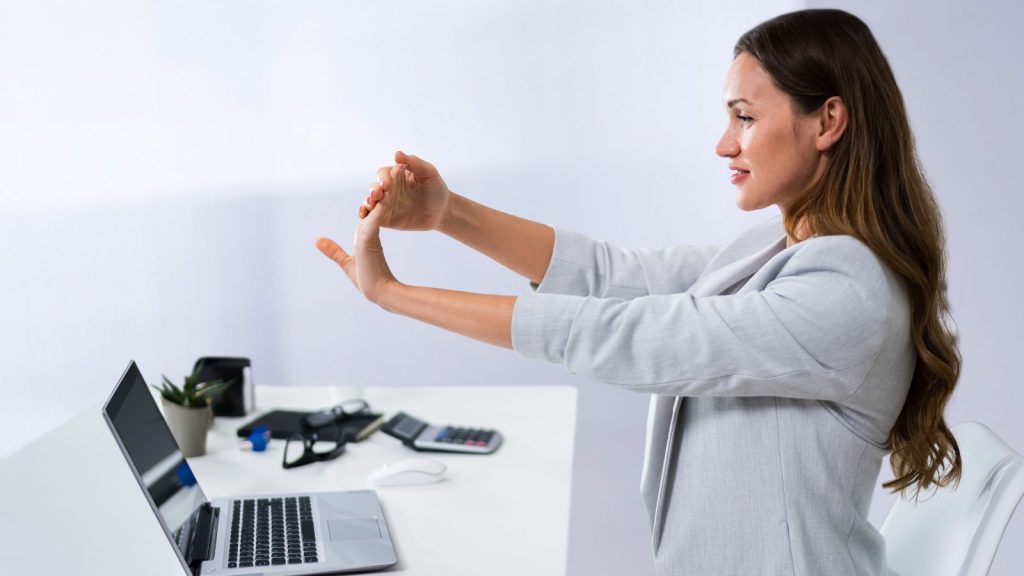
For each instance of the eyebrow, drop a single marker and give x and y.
(733, 102)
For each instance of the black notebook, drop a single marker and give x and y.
(286, 423)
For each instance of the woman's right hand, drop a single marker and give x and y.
(419, 202)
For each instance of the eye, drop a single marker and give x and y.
(746, 120)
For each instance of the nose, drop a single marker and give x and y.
(727, 146)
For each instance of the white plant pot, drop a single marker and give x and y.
(189, 426)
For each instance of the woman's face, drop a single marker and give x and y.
(770, 147)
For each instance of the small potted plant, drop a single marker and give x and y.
(187, 410)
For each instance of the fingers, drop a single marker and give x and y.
(377, 194)
(384, 176)
(405, 167)
(413, 166)
(331, 249)
(372, 222)
(418, 166)
(367, 231)
(400, 174)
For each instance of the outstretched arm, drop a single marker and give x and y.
(566, 262)
(521, 245)
(483, 317)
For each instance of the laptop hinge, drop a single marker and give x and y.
(203, 537)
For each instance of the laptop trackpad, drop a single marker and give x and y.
(353, 529)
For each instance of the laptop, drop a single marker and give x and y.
(312, 533)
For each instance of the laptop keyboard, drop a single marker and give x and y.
(271, 531)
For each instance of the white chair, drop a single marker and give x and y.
(956, 532)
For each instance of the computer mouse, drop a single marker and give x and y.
(409, 472)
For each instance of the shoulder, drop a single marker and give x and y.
(839, 251)
(844, 259)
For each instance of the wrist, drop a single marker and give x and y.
(388, 295)
(453, 214)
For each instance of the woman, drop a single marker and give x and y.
(782, 366)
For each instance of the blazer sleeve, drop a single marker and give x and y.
(812, 332)
(584, 267)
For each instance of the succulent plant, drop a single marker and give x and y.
(193, 394)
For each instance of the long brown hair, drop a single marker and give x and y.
(874, 190)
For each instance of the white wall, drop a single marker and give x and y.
(165, 168)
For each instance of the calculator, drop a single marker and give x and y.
(424, 437)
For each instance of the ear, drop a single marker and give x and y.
(832, 121)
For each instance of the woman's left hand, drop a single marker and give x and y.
(366, 266)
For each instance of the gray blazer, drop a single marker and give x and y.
(775, 377)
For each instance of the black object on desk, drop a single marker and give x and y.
(237, 399)
(284, 424)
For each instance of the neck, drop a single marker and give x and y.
(801, 234)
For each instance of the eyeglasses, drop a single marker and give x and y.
(331, 416)
(320, 445)
(324, 437)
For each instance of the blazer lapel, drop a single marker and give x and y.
(665, 474)
(724, 278)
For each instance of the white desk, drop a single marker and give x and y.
(69, 504)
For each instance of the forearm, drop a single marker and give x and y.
(520, 245)
(483, 317)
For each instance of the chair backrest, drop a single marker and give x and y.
(955, 531)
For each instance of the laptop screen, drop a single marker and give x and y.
(153, 453)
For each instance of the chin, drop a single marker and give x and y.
(747, 204)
